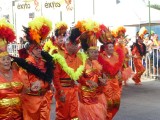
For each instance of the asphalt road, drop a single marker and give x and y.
(138, 102)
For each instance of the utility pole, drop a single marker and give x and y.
(149, 17)
(93, 7)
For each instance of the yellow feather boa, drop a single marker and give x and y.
(70, 71)
(49, 47)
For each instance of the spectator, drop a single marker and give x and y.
(155, 55)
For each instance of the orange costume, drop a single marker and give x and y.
(111, 66)
(52, 47)
(36, 69)
(69, 67)
(10, 80)
(56, 43)
(112, 61)
(92, 102)
(10, 102)
(138, 51)
(65, 85)
(126, 69)
(36, 105)
(119, 34)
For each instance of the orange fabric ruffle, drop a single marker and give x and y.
(127, 73)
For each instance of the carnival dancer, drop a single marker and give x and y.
(119, 34)
(37, 71)
(69, 68)
(10, 80)
(138, 52)
(112, 61)
(92, 103)
(56, 43)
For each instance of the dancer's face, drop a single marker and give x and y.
(93, 54)
(71, 48)
(5, 62)
(109, 48)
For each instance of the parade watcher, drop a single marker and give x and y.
(155, 55)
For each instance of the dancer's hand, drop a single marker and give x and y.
(62, 98)
(119, 74)
(92, 84)
(102, 81)
(36, 86)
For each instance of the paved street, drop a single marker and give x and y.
(138, 102)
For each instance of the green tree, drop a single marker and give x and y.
(155, 6)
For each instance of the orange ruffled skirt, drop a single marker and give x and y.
(96, 111)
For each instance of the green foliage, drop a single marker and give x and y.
(155, 6)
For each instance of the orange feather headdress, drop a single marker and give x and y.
(60, 28)
(89, 29)
(38, 30)
(7, 35)
(142, 32)
(105, 35)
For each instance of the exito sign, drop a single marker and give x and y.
(23, 5)
(52, 4)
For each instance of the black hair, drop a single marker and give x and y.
(75, 33)
(56, 32)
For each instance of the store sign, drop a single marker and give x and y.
(23, 5)
(52, 4)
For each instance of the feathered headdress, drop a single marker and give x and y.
(89, 36)
(80, 25)
(60, 28)
(38, 29)
(142, 32)
(119, 32)
(105, 35)
(7, 35)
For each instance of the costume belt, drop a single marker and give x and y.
(67, 82)
(88, 92)
(9, 101)
(87, 89)
(112, 77)
(41, 92)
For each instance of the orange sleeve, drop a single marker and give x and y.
(56, 80)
